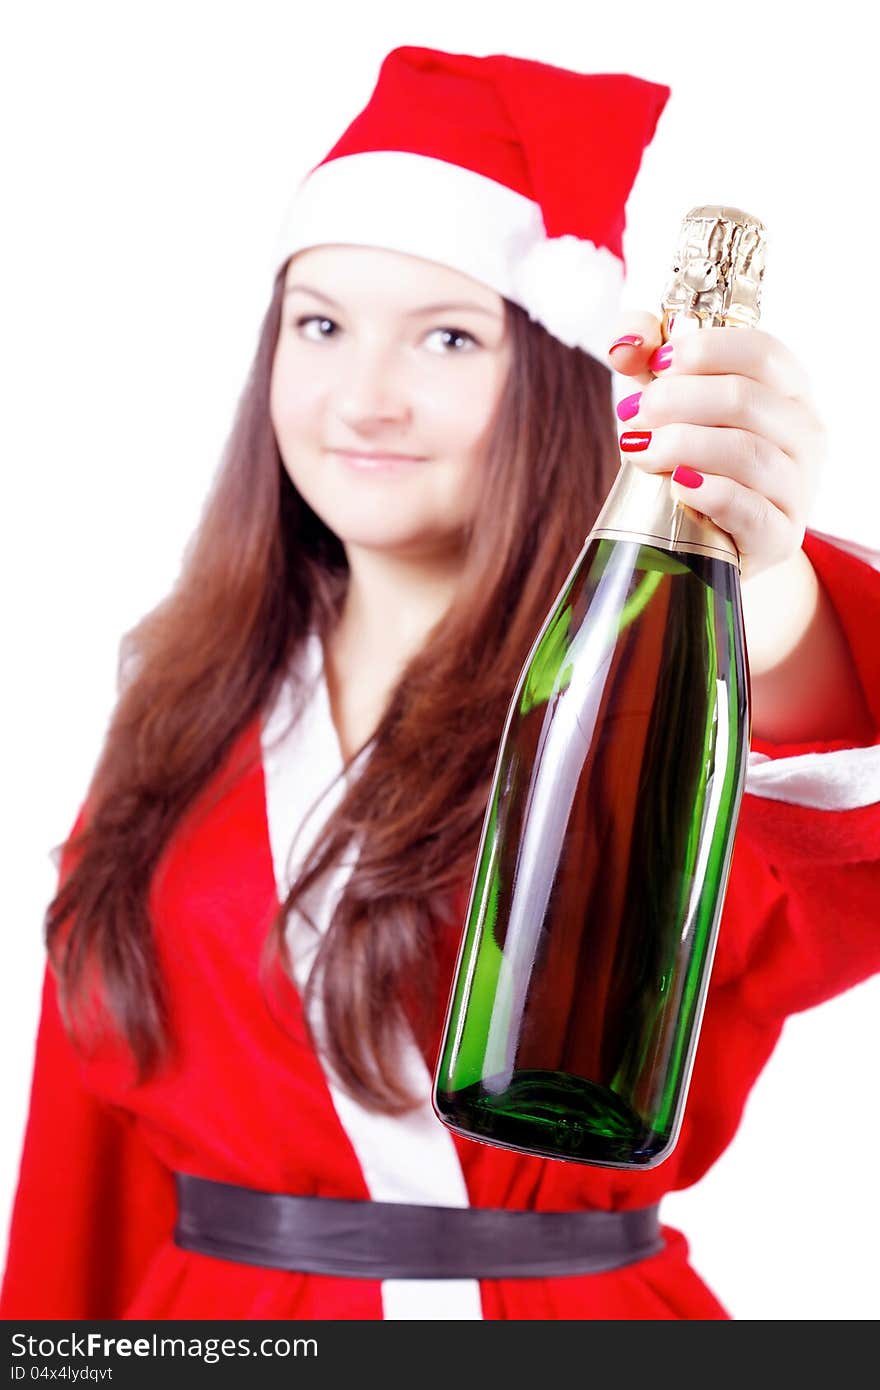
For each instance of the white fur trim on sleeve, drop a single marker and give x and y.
(838, 781)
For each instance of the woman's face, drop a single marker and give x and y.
(387, 373)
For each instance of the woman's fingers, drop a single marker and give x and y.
(763, 535)
(727, 402)
(739, 455)
(638, 337)
(744, 352)
(726, 413)
(742, 482)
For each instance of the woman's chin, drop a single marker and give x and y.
(398, 543)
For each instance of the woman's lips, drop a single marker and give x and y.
(378, 462)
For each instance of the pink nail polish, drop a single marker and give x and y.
(688, 477)
(629, 406)
(660, 359)
(628, 340)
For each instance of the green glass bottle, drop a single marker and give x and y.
(600, 879)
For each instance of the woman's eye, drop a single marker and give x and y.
(315, 328)
(450, 340)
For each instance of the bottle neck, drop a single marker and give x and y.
(715, 282)
(640, 507)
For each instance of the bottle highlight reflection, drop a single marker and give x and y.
(603, 864)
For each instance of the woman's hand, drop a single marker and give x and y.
(730, 409)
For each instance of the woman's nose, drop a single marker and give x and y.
(371, 393)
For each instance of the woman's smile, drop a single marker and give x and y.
(364, 461)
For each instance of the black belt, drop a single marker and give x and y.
(394, 1240)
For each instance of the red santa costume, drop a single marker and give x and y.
(250, 1103)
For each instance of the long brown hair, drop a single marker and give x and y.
(261, 570)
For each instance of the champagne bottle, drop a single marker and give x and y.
(606, 846)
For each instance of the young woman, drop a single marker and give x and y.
(260, 903)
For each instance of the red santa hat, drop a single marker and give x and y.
(513, 172)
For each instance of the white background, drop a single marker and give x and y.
(150, 154)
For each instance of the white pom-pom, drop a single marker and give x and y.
(572, 287)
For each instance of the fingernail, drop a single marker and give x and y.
(628, 340)
(635, 441)
(629, 406)
(687, 477)
(660, 358)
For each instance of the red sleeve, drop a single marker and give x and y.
(853, 586)
(818, 834)
(92, 1201)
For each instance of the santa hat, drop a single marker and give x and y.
(513, 172)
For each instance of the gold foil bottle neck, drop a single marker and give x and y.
(715, 282)
(717, 271)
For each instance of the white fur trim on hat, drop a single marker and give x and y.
(573, 287)
(445, 213)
